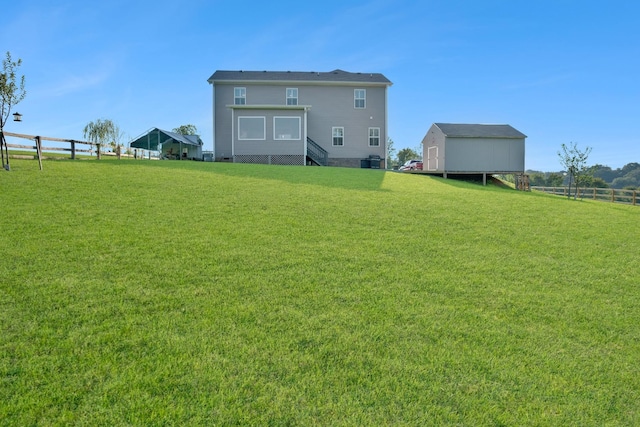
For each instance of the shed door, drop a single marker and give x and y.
(432, 158)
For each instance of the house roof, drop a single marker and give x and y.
(460, 130)
(154, 137)
(335, 76)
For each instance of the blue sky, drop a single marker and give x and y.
(559, 71)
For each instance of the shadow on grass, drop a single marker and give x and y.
(331, 177)
(471, 182)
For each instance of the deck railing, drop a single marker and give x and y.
(317, 153)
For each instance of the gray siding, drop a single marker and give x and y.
(269, 145)
(223, 95)
(484, 155)
(330, 105)
(334, 107)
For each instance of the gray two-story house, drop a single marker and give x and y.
(332, 118)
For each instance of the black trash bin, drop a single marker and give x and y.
(366, 163)
(374, 162)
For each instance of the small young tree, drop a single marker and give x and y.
(11, 93)
(575, 162)
(391, 152)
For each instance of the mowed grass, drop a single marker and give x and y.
(183, 293)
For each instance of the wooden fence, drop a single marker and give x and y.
(628, 197)
(73, 147)
(39, 148)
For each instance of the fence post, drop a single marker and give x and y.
(98, 150)
(613, 196)
(39, 151)
(634, 197)
(73, 150)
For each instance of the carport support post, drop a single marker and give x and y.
(484, 178)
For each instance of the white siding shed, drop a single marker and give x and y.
(450, 148)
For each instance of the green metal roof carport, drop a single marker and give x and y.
(154, 138)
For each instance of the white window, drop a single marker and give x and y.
(374, 137)
(251, 128)
(338, 136)
(292, 96)
(286, 128)
(359, 98)
(240, 95)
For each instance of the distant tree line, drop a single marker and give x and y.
(600, 176)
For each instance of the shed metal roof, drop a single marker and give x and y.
(335, 76)
(460, 130)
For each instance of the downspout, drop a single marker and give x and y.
(213, 89)
(386, 126)
(304, 139)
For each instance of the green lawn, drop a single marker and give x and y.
(187, 293)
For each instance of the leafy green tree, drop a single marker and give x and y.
(537, 179)
(555, 179)
(597, 182)
(625, 182)
(575, 162)
(407, 154)
(629, 180)
(629, 167)
(101, 132)
(186, 130)
(604, 172)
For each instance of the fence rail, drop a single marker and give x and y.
(613, 195)
(38, 145)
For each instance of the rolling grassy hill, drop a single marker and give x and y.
(182, 293)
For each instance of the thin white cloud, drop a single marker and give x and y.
(541, 82)
(76, 83)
